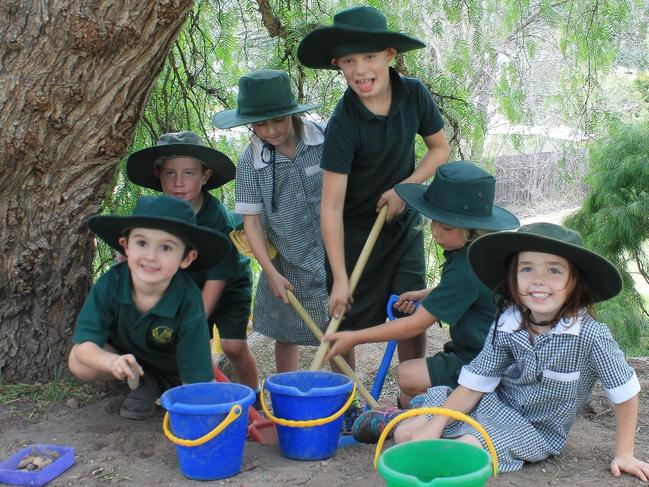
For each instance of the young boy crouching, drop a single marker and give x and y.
(143, 319)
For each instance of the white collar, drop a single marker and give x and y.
(311, 133)
(510, 322)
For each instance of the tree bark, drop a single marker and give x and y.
(75, 76)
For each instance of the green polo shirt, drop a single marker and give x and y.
(171, 337)
(377, 151)
(235, 269)
(464, 303)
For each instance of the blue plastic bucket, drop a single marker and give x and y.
(307, 395)
(194, 411)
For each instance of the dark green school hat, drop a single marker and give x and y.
(461, 195)
(354, 30)
(140, 164)
(263, 95)
(171, 215)
(490, 254)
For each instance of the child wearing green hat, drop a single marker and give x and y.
(368, 148)
(278, 193)
(459, 201)
(181, 165)
(143, 318)
(543, 355)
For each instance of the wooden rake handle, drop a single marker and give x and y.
(304, 314)
(353, 281)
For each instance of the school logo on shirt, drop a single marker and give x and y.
(162, 335)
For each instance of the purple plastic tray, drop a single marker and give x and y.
(9, 474)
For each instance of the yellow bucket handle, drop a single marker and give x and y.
(444, 412)
(234, 413)
(304, 423)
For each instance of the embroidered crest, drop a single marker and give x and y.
(162, 334)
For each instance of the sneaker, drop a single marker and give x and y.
(369, 425)
(140, 403)
(353, 412)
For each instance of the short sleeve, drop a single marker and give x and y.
(431, 120)
(485, 371)
(97, 314)
(339, 147)
(453, 296)
(618, 377)
(248, 200)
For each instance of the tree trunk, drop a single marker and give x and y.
(75, 76)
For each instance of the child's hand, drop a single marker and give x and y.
(278, 286)
(341, 342)
(631, 465)
(339, 299)
(123, 367)
(395, 204)
(407, 301)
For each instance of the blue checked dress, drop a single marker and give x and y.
(534, 391)
(293, 228)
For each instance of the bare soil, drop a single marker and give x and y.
(112, 450)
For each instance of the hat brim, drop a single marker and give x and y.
(140, 164)
(413, 195)
(212, 246)
(315, 50)
(490, 254)
(229, 118)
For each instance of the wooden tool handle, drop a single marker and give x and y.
(353, 281)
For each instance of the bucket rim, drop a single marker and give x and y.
(221, 407)
(334, 390)
(413, 480)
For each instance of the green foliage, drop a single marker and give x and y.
(613, 221)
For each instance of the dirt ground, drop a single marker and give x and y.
(112, 450)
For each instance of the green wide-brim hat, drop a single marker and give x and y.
(171, 215)
(354, 30)
(264, 94)
(490, 255)
(140, 165)
(461, 195)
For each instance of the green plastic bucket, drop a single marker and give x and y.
(435, 463)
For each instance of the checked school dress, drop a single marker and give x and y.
(293, 188)
(534, 391)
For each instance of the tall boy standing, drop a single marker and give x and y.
(368, 148)
(143, 317)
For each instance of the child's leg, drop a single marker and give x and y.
(412, 348)
(286, 356)
(242, 361)
(413, 379)
(349, 357)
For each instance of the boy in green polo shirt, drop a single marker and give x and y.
(368, 148)
(143, 319)
(181, 165)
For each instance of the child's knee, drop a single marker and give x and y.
(233, 348)
(412, 377)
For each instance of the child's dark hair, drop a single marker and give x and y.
(507, 290)
(188, 246)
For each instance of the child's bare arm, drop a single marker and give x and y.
(257, 240)
(400, 329)
(626, 419)
(334, 186)
(462, 399)
(212, 291)
(89, 361)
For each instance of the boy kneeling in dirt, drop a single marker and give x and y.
(144, 321)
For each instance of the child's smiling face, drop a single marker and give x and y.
(544, 283)
(184, 177)
(154, 256)
(367, 73)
